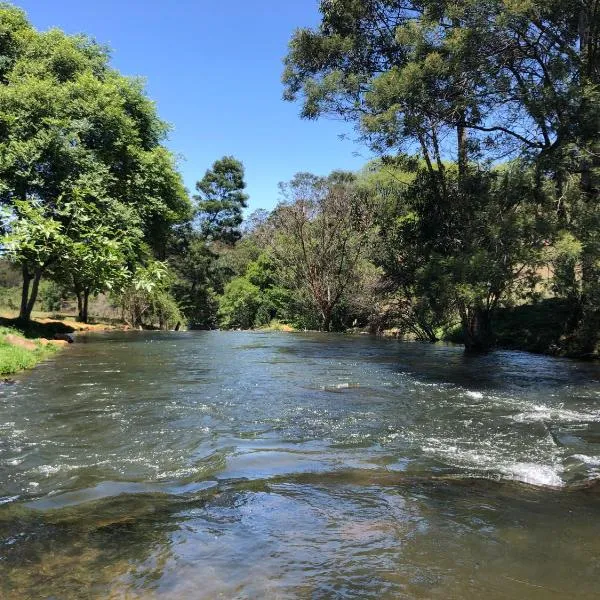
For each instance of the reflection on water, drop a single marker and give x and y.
(236, 465)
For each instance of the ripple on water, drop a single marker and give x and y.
(202, 464)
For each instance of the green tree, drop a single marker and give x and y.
(75, 132)
(193, 264)
(95, 263)
(34, 242)
(239, 304)
(322, 232)
(466, 83)
(221, 200)
(146, 300)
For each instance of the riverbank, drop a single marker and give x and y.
(23, 345)
(539, 328)
(18, 353)
(543, 327)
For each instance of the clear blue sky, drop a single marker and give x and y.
(214, 69)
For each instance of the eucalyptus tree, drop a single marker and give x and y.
(470, 83)
(321, 236)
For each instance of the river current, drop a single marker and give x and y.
(274, 465)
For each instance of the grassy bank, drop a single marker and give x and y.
(541, 328)
(17, 352)
(276, 325)
(25, 344)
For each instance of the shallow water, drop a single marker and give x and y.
(265, 465)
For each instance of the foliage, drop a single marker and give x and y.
(469, 84)
(239, 304)
(256, 298)
(221, 199)
(193, 263)
(79, 141)
(322, 231)
(146, 300)
(50, 296)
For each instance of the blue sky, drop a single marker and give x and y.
(214, 69)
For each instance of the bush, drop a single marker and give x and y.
(10, 298)
(50, 296)
(239, 304)
(147, 300)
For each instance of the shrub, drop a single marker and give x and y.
(239, 304)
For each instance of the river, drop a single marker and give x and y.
(272, 465)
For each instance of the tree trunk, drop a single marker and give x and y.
(25, 295)
(326, 319)
(463, 153)
(32, 296)
(428, 333)
(477, 330)
(79, 305)
(86, 298)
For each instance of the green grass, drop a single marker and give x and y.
(14, 359)
(276, 325)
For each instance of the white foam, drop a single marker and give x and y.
(540, 412)
(7, 499)
(47, 469)
(590, 461)
(490, 460)
(533, 474)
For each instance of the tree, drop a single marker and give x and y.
(221, 199)
(75, 132)
(95, 263)
(34, 242)
(193, 264)
(146, 300)
(239, 304)
(467, 83)
(322, 231)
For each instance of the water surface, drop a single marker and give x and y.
(266, 465)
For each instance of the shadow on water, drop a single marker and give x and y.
(447, 363)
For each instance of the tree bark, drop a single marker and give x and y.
(25, 294)
(477, 330)
(86, 298)
(463, 153)
(79, 305)
(30, 303)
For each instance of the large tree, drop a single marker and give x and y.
(322, 229)
(76, 133)
(470, 83)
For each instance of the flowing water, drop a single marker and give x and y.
(265, 465)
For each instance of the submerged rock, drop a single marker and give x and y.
(64, 337)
